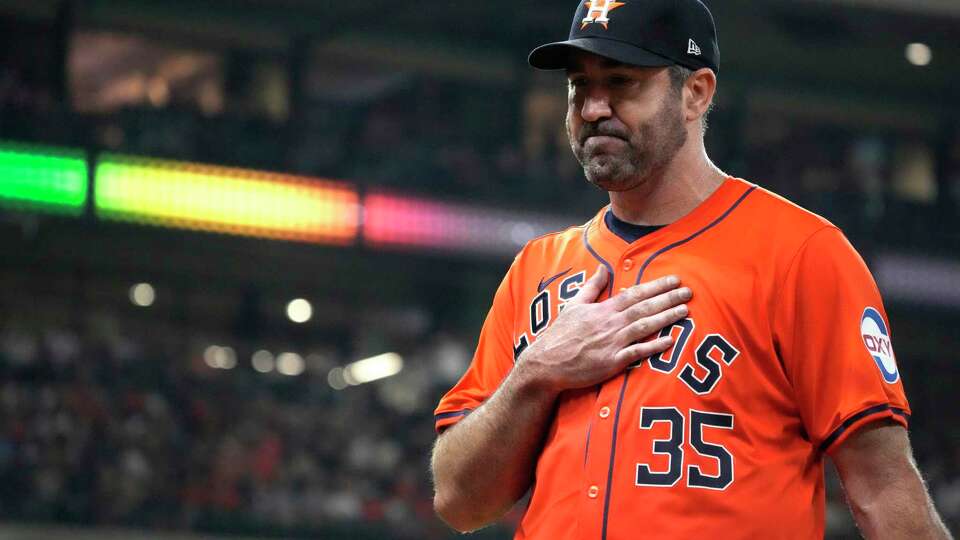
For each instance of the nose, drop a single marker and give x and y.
(596, 106)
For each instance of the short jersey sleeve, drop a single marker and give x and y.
(491, 363)
(835, 342)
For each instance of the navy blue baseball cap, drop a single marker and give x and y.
(652, 33)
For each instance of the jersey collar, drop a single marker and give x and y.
(611, 247)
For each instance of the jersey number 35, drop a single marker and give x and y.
(673, 449)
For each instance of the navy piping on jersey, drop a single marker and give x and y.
(694, 235)
(586, 242)
(586, 447)
(856, 418)
(613, 445)
(444, 416)
(613, 453)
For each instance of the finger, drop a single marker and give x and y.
(638, 293)
(640, 351)
(657, 304)
(590, 290)
(647, 326)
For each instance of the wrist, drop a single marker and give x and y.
(530, 380)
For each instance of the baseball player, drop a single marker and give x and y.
(681, 365)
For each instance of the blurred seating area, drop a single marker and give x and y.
(880, 189)
(889, 176)
(113, 427)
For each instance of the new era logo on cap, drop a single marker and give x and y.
(693, 48)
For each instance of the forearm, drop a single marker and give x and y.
(900, 509)
(884, 488)
(484, 464)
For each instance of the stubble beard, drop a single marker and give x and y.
(646, 153)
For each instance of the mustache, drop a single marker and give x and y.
(606, 129)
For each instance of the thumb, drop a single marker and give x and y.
(590, 291)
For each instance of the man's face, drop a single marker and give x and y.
(624, 122)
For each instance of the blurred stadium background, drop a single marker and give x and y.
(188, 283)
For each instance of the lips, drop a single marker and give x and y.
(604, 138)
(605, 129)
(603, 143)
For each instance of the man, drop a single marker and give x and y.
(637, 408)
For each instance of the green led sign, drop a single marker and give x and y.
(43, 178)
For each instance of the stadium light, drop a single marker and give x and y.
(290, 364)
(919, 54)
(335, 378)
(219, 357)
(262, 361)
(225, 200)
(143, 295)
(372, 369)
(299, 311)
(43, 178)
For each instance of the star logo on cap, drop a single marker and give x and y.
(598, 12)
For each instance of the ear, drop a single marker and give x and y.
(698, 93)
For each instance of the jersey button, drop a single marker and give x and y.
(628, 264)
(593, 491)
(604, 412)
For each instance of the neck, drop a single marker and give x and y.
(671, 193)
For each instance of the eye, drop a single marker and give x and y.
(619, 80)
(577, 82)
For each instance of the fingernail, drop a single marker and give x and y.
(673, 281)
(686, 293)
(683, 310)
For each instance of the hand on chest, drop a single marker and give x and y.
(705, 343)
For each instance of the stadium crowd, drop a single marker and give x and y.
(500, 147)
(104, 426)
(111, 429)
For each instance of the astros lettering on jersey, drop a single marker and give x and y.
(785, 353)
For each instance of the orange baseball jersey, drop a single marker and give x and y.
(785, 352)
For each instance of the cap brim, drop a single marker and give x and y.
(557, 55)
